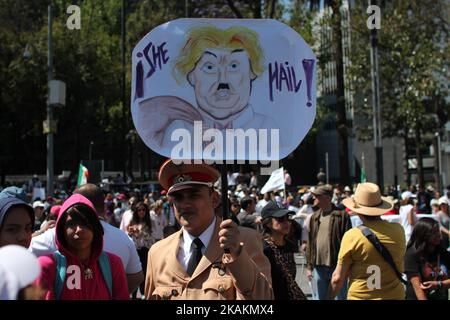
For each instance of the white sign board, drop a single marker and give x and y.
(223, 89)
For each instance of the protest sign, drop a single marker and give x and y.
(223, 89)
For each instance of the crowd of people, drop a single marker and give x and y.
(174, 244)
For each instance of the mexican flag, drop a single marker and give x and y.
(363, 175)
(83, 175)
(363, 169)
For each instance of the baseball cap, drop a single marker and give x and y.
(38, 204)
(55, 210)
(323, 190)
(443, 200)
(271, 209)
(407, 195)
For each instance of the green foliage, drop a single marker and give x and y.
(413, 64)
(89, 62)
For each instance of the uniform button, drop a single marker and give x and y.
(221, 289)
(174, 292)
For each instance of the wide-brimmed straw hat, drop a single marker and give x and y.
(368, 201)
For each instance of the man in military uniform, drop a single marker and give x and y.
(192, 263)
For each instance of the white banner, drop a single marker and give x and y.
(275, 182)
(38, 193)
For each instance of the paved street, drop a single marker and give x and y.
(301, 275)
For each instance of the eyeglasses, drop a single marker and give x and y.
(282, 219)
(141, 209)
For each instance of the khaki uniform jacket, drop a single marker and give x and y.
(248, 277)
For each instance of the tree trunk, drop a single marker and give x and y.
(273, 5)
(420, 175)
(257, 9)
(340, 95)
(406, 175)
(437, 177)
(235, 10)
(129, 160)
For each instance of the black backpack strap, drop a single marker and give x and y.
(382, 250)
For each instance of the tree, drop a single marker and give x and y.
(413, 59)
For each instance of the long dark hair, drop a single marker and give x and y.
(136, 220)
(266, 232)
(87, 216)
(422, 232)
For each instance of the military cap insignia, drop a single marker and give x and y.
(182, 178)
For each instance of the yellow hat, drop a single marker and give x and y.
(174, 177)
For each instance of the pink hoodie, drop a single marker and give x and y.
(76, 287)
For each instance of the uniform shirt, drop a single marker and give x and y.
(186, 250)
(358, 252)
(247, 277)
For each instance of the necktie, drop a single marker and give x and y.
(196, 256)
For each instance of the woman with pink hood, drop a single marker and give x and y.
(80, 269)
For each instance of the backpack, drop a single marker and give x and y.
(61, 267)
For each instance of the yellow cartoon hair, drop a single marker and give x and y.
(201, 38)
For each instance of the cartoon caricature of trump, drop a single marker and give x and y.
(220, 65)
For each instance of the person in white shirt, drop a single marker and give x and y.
(128, 215)
(444, 221)
(231, 177)
(159, 221)
(253, 180)
(407, 214)
(262, 203)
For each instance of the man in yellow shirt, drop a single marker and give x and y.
(371, 276)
